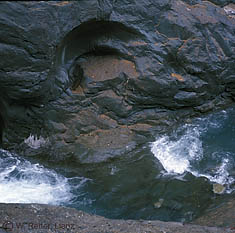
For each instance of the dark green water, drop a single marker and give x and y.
(177, 172)
(170, 179)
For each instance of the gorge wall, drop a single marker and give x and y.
(84, 82)
(97, 78)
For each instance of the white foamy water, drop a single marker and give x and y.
(183, 152)
(175, 155)
(34, 142)
(24, 182)
(220, 176)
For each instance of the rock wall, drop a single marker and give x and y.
(96, 78)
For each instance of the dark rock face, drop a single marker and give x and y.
(1, 128)
(97, 78)
(2, 121)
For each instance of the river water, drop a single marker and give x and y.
(170, 179)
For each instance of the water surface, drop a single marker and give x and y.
(170, 179)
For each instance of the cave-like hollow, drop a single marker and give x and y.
(95, 42)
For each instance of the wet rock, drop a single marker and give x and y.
(218, 188)
(159, 203)
(98, 78)
(95, 79)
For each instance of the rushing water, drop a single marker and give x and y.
(24, 182)
(205, 148)
(169, 179)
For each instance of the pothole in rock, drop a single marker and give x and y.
(92, 56)
(96, 50)
(101, 68)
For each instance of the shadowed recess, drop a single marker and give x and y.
(92, 36)
(95, 49)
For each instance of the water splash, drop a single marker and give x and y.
(220, 175)
(175, 154)
(24, 182)
(34, 142)
(183, 151)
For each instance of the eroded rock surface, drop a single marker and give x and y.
(89, 81)
(95, 79)
(45, 218)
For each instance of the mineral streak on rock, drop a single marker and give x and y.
(178, 76)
